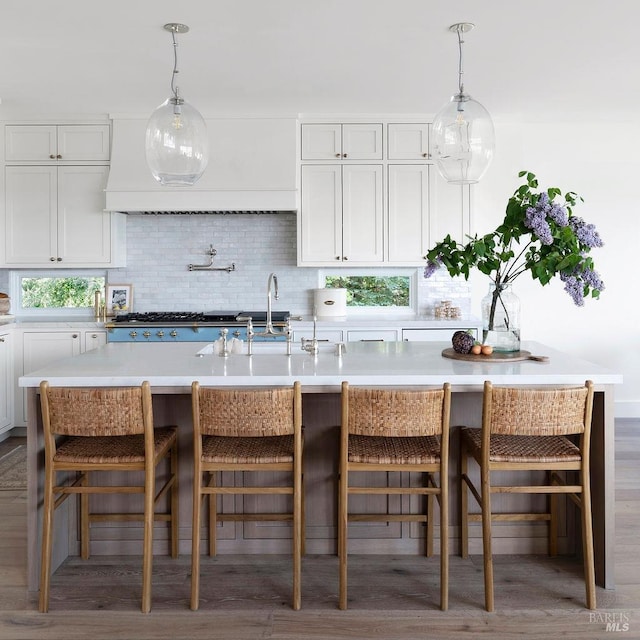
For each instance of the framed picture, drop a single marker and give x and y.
(119, 299)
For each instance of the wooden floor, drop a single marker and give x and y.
(390, 598)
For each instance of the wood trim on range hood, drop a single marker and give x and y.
(252, 168)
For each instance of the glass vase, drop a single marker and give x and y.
(501, 319)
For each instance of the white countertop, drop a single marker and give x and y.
(366, 363)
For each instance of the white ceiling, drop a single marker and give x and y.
(526, 59)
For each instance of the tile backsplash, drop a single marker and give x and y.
(161, 248)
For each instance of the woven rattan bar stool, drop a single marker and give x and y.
(105, 430)
(391, 430)
(525, 429)
(246, 430)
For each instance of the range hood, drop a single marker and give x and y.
(251, 170)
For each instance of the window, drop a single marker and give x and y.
(71, 293)
(373, 291)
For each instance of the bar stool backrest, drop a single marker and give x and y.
(245, 412)
(96, 412)
(395, 412)
(539, 412)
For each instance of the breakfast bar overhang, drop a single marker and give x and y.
(171, 368)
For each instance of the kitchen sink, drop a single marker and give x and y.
(269, 348)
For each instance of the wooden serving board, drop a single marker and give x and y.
(496, 356)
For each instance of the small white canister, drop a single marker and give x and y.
(330, 303)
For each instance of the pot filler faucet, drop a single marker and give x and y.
(272, 284)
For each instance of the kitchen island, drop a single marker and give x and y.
(170, 369)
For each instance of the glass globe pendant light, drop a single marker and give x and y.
(463, 135)
(176, 142)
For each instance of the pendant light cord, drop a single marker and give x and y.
(460, 71)
(175, 90)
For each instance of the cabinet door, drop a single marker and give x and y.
(408, 213)
(31, 195)
(362, 214)
(320, 223)
(336, 141)
(362, 141)
(450, 209)
(84, 231)
(40, 348)
(6, 382)
(83, 143)
(51, 143)
(372, 335)
(434, 335)
(94, 339)
(25, 143)
(321, 141)
(408, 141)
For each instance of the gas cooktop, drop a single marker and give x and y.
(187, 317)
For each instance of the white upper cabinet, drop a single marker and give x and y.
(57, 143)
(408, 141)
(342, 141)
(408, 213)
(341, 217)
(367, 213)
(55, 217)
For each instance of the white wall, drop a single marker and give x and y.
(601, 163)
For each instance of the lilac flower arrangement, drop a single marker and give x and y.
(539, 234)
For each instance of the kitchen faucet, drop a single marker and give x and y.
(272, 284)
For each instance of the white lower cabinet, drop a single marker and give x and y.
(94, 339)
(40, 348)
(6, 382)
(372, 335)
(434, 335)
(323, 335)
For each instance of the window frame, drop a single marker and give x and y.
(412, 274)
(15, 289)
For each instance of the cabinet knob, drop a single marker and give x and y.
(59, 259)
(337, 257)
(344, 155)
(52, 156)
(59, 157)
(1, 339)
(133, 334)
(338, 155)
(425, 155)
(52, 259)
(345, 258)
(94, 335)
(74, 335)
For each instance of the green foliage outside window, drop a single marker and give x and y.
(68, 292)
(373, 291)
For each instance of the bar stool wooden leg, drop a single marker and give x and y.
(174, 502)
(85, 533)
(486, 538)
(429, 518)
(47, 529)
(297, 539)
(342, 539)
(587, 540)
(464, 500)
(213, 516)
(553, 519)
(444, 544)
(195, 540)
(147, 556)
